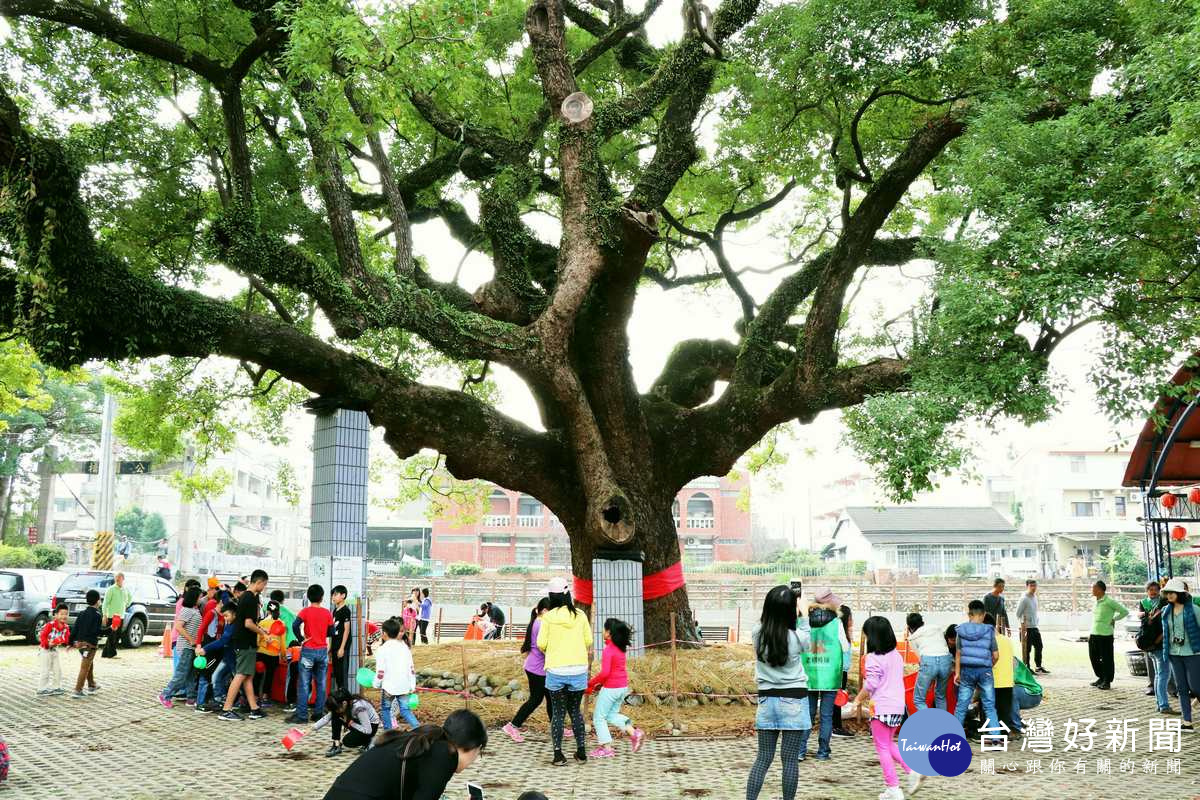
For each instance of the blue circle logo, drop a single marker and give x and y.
(932, 743)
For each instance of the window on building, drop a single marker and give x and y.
(63, 505)
(1078, 464)
(729, 541)
(1119, 506)
(675, 511)
(453, 538)
(700, 505)
(925, 559)
(241, 479)
(498, 503)
(1083, 509)
(531, 556)
(529, 506)
(1029, 552)
(254, 485)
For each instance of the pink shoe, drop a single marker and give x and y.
(166, 701)
(636, 738)
(513, 733)
(603, 751)
(568, 732)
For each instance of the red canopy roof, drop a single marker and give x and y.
(1185, 553)
(1182, 464)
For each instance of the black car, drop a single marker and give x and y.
(151, 612)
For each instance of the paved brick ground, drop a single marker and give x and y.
(120, 744)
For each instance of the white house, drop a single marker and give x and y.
(1074, 499)
(931, 540)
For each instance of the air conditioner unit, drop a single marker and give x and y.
(1135, 497)
(691, 541)
(1097, 494)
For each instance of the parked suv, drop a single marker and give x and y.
(25, 600)
(151, 612)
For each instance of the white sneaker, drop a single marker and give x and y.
(891, 793)
(914, 783)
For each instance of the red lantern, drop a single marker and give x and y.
(1194, 495)
(1169, 500)
(1179, 533)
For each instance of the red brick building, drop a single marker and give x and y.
(518, 529)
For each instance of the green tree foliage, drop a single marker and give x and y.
(964, 568)
(1123, 565)
(274, 182)
(460, 569)
(49, 556)
(17, 557)
(140, 526)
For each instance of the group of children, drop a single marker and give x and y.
(557, 644)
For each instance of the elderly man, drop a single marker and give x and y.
(116, 599)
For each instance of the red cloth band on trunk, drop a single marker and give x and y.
(660, 584)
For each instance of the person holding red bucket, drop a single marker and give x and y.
(936, 662)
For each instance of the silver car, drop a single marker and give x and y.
(25, 600)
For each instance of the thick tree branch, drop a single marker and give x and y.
(99, 21)
(693, 369)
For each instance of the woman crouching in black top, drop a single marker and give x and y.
(413, 765)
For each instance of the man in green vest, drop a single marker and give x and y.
(824, 663)
(116, 599)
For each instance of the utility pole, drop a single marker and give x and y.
(102, 547)
(185, 519)
(45, 491)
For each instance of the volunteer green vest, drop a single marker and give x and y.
(823, 663)
(1024, 678)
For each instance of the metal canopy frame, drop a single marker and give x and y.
(1156, 518)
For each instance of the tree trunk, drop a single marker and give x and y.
(6, 496)
(657, 543)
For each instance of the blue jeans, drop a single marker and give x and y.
(973, 678)
(556, 681)
(1162, 663)
(181, 678)
(401, 702)
(608, 710)
(1187, 680)
(935, 670)
(222, 677)
(1022, 700)
(822, 700)
(314, 662)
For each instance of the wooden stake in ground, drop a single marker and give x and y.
(737, 632)
(437, 631)
(674, 679)
(466, 689)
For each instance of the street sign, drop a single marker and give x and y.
(33, 539)
(123, 467)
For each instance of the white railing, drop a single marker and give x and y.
(496, 520)
(676, 522)
(701, 522)
(529, 521)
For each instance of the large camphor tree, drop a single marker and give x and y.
(255, 179)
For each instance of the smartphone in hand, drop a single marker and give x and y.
(475, 791)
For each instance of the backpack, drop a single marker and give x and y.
(3, 760)
(1148, 633)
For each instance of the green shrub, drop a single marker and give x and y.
(49, 556)
(514, 569)
(411, 571)
(458, 569)
(17, 557)
(964, 568)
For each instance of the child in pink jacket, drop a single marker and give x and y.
(613, 683)
(884, 683)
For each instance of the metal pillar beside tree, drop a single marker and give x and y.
(338, 549)
(617, 592)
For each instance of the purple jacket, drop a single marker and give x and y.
(885, 682)
(535, 662)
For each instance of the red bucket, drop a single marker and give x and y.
(116, 622)
(842, 698)
(291, 737)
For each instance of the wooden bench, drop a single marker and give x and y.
(450, 630)
(713, 634)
